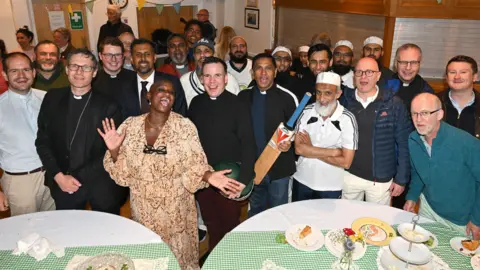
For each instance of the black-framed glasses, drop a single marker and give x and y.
(368, 72)
(424, 114)
(109, 56)
(75, 67)
(161, 150)
(406, 63)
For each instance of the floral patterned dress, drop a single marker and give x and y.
(162, 186)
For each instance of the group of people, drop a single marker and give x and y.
(84, 132)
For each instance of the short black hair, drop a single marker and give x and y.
(141, 41)
(464, 59)
(24, 30)
(12, 55)
(85, 52)
(214, 60)
(318, 48)
(174, 35)
(112, 41)
(43, 42)
(195, 22)
(261, 56)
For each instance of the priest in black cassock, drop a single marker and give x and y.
(115, 81)
(225, 130)
(68, 144)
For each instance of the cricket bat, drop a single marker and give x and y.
(282, 134)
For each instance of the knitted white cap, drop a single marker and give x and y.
(344, 43)
(373, 40)
(303, 49)
(329, 78)
(282, 49)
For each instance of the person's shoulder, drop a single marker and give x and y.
(347, 115)
(286, 93)
(184, 123)
(4, 96)
(246, 92)
(186, 77)
(38, 93)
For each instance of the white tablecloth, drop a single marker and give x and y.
(324, 213)
(72, 228)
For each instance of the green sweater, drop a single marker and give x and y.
(449, 178)
(58, 79)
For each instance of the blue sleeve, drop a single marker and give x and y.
(393, 84)
(403, 129)
(427, 88)
(472, 148)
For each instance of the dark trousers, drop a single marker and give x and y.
(220, 214)
(399, 201)
(300, 192)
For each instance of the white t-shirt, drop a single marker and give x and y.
(192, 86)
(243, 75)
(338, 131)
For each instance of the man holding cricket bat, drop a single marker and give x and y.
(269, 105)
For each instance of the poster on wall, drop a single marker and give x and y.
(57, 19)
(252, 3)
(252, 18)
(76, 20)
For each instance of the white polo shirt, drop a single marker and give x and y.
(243, 75)
(338, 131)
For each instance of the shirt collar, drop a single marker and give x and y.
(150, 79)
(27, 96)
(456, 105)
(337, 113)
(62, 49)
(369, 99)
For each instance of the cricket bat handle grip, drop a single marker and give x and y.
(298, 111)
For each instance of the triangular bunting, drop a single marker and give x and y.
(159, 8)
(90, 5)
(177, 7)
(141, 3)
(70, 10)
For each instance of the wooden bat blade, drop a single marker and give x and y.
(265, 162)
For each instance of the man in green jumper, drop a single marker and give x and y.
(50, 70)
(445, 169)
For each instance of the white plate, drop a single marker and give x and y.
(435, 242)
(390, 261)
(456, 244)
(475, 262)
(418, 236)
(312, 242)
(419, 254)
(337, 248)
(103, 261)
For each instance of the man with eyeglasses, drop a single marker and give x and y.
(342, 62)
(177, 52)
(210, 31)
(143, 58)
(326, 139)
(193, 32)
(68, 144)
(113, 80)
(23, 179)
(408, 82)
(461, 102)
(49, 69)
(373, 47)
(191, 81)
(239, 65)
(114, 26)
(445, 171)
(127, 38)
(381, 167)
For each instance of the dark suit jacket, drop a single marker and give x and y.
(65, 53)
(53, 145)
(180, 104)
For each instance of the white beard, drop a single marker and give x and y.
(325, 111)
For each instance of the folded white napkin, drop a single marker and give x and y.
(38, 247)
(269, 265)
(140, 264)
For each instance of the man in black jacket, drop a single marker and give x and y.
(114, 26)
(225, 131)
(68, 144)
(269, 105)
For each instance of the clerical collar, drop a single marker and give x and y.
(80, 97)
(180, 66)
(213, 98)
(406, 84)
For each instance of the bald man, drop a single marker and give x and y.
(210, 31)
(381, 166)
(445, 171)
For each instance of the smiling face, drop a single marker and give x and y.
(177, 50)
(161, 96)
(112, 58)
(214, 79)
(283, 60)
(113, 15)
(319, 62)
(23, 40)
(374, 51)
(263, 73)
(201, 52)
(80, 78)
(60, 40)
(238, 50)
(460, 76)
(47, 57)
(143, 58)
(408, 64)
(193, 34)
(19, 74)
(326, 96)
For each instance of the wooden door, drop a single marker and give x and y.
(41, 10)
(149, 20)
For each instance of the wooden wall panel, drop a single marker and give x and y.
(149, 20)
(42, 23)
(367, 7)
(446, 9)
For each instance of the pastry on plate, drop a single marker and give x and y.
(305, 232)
(470, 244)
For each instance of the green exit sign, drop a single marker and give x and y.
(76, 20)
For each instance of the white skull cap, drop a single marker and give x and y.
(373, 40)
(329, 78)
(344, 43)
(303, 49)
(282, 49)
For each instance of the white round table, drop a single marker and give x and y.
(75, 228)
(324, 213)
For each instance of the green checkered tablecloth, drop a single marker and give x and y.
(248, 251)
(142, 251)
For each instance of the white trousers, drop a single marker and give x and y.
(356, 188)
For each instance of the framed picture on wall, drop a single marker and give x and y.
(252, 3)
(252, 18)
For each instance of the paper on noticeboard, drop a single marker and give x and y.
(57, 19)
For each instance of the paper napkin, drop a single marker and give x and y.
(37, 247)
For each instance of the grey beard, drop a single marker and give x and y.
(325, 111)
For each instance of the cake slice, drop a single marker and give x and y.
(305, 232)
(470, 244)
